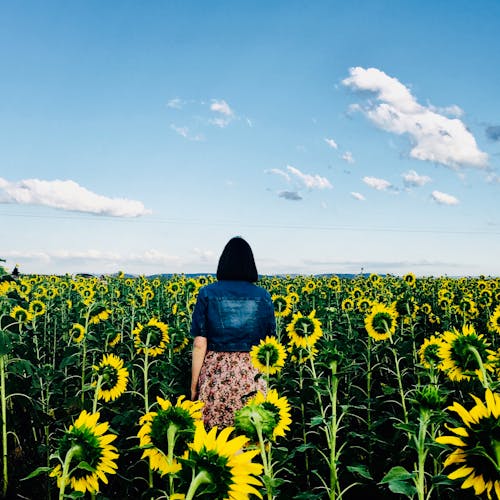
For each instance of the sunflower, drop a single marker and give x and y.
(102, 314)
(114, 377)
(429, 352)
(167, 432)
(282, 305)
(220, 468)
(77, 332)
(21, 315)
(304, 331)
(347, 304)
(426, 308)
(268, 356)
(475, 458)
(37, 308)
(410, 279)
(280, 407)
(363, 304)
(334, 283)
(381, 322)
(115, 340)
(300, 355)
(293, 297)
(90, 445)
(459, 350)
(494, 321)
(152, 337)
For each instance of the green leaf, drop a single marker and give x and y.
(37, 472)
(5, 342)
(85, 466)
(397, 473)
(362, 470)
(397, 479)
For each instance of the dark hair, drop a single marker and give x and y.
(236, 262)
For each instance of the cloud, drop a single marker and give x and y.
(186, 133)
(308, 180)
(493, 132)
(226, 114)
(376, 183)
(412, 179)
(290, 195)
(358, 196)
(277, 171)
(434, 136)
(175, 103)
(331, 143)
(67, 195)
(347, 157)
(443, 198)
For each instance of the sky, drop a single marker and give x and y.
(334, 136)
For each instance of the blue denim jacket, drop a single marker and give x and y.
(233, 315)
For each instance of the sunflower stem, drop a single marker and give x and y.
(3, 398)
(96, 394)
(484, 376)
(203, 477)
(65, 469)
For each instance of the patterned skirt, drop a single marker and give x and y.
(226, 382)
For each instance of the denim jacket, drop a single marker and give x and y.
(233, 315)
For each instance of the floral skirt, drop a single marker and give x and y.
(226, 382)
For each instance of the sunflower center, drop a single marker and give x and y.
(155, 335)
(183, 423)
(268, 354)
(219, 471)
(304, 326)
(88, 449)
(109, 376)
(381, 322)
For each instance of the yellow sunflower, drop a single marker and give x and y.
(88, 443)
(304, 331)
(410, 279)
(381, 322)
(268, 356)
(429, 352)
(21, 315)
(77, 332)
(282, 305)
(459, 352)
(152, 337)
(220, 469)
(494, 321)
(166, 433)
(299, 355)
(475, 457)
(280, 407)
(113, 377)
(37, 308)
(347, 304)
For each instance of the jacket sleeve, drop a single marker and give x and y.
(199, 318)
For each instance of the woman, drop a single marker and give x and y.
(230, 316)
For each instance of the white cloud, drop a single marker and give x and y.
(435, 137)
(186, 133)
(357, 196)
(277, 171)
(443, 198)
(225, 112)
(331, 143)
(412, 179)
(376, 183)
(221, 107)
(308, 180)
(175, 103)
(347, 157)
(67, 195)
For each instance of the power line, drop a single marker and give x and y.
(312, 227)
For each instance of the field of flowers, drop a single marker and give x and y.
(380, 386)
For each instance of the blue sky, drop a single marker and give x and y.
(334, 136)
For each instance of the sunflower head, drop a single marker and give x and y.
(166, 433)
(282, 305)
(475, 459)
(304, 331)
(152, 337)
(494, 321)
(37, 308)
(268, 356)
(219, 466)
(112, 376)
(21, 315)
(461, 353)
(254, 418)
(382, 321)
(88, 443)
(429, 352)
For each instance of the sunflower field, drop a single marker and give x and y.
(378, 386)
